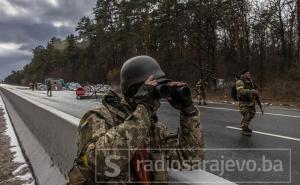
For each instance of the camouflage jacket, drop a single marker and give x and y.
(117, 129)
(245, 92)
(201, 85)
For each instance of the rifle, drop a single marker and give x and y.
(257, 99)
(141, 173)
(197, 93)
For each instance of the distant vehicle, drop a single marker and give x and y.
(41, 87)
(56, 83)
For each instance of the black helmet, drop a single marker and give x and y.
(137, 69)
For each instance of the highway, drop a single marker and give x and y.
(271, 155)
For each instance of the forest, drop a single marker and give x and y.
(191, 39)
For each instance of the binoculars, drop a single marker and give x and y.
(162, 90)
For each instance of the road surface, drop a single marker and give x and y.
(271, 155)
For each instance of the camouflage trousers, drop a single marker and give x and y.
(248, 113)
(201, 96)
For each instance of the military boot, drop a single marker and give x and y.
(246, 131)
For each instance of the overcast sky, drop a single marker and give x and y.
(24, 24)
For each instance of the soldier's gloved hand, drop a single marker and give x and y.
(184, 105)
(144, 95)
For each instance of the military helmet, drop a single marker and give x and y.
(244, 71)
(137, 69)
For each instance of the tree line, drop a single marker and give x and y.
(191, 39)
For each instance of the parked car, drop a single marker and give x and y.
(41, 87)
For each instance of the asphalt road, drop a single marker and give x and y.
(271, 155)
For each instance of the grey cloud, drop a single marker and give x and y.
(30, 32)
(26, 47)
(11, 58)
(10, 65)
(71, 10)
(36, 27)
(4, 61)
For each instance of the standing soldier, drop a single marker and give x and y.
(49, 88)
(246, 94)
(200, 90)
(31, 86)
(129, 125)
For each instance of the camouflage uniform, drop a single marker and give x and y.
(49, 88)
(201, 86)
(246, 99)
(118, 125)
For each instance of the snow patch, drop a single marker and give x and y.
(26, 177)
(19, 169)
(15, 147)
(32, 183)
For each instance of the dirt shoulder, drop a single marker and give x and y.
(11, 173)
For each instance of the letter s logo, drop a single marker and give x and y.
(116, 168)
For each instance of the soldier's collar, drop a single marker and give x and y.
(112, 101)
(245, 80)
(128, 107)
(116, 111)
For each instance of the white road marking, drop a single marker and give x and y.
(267, 134)
(265, 113)
(36, 101)
(216, 108)
(219, 108)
